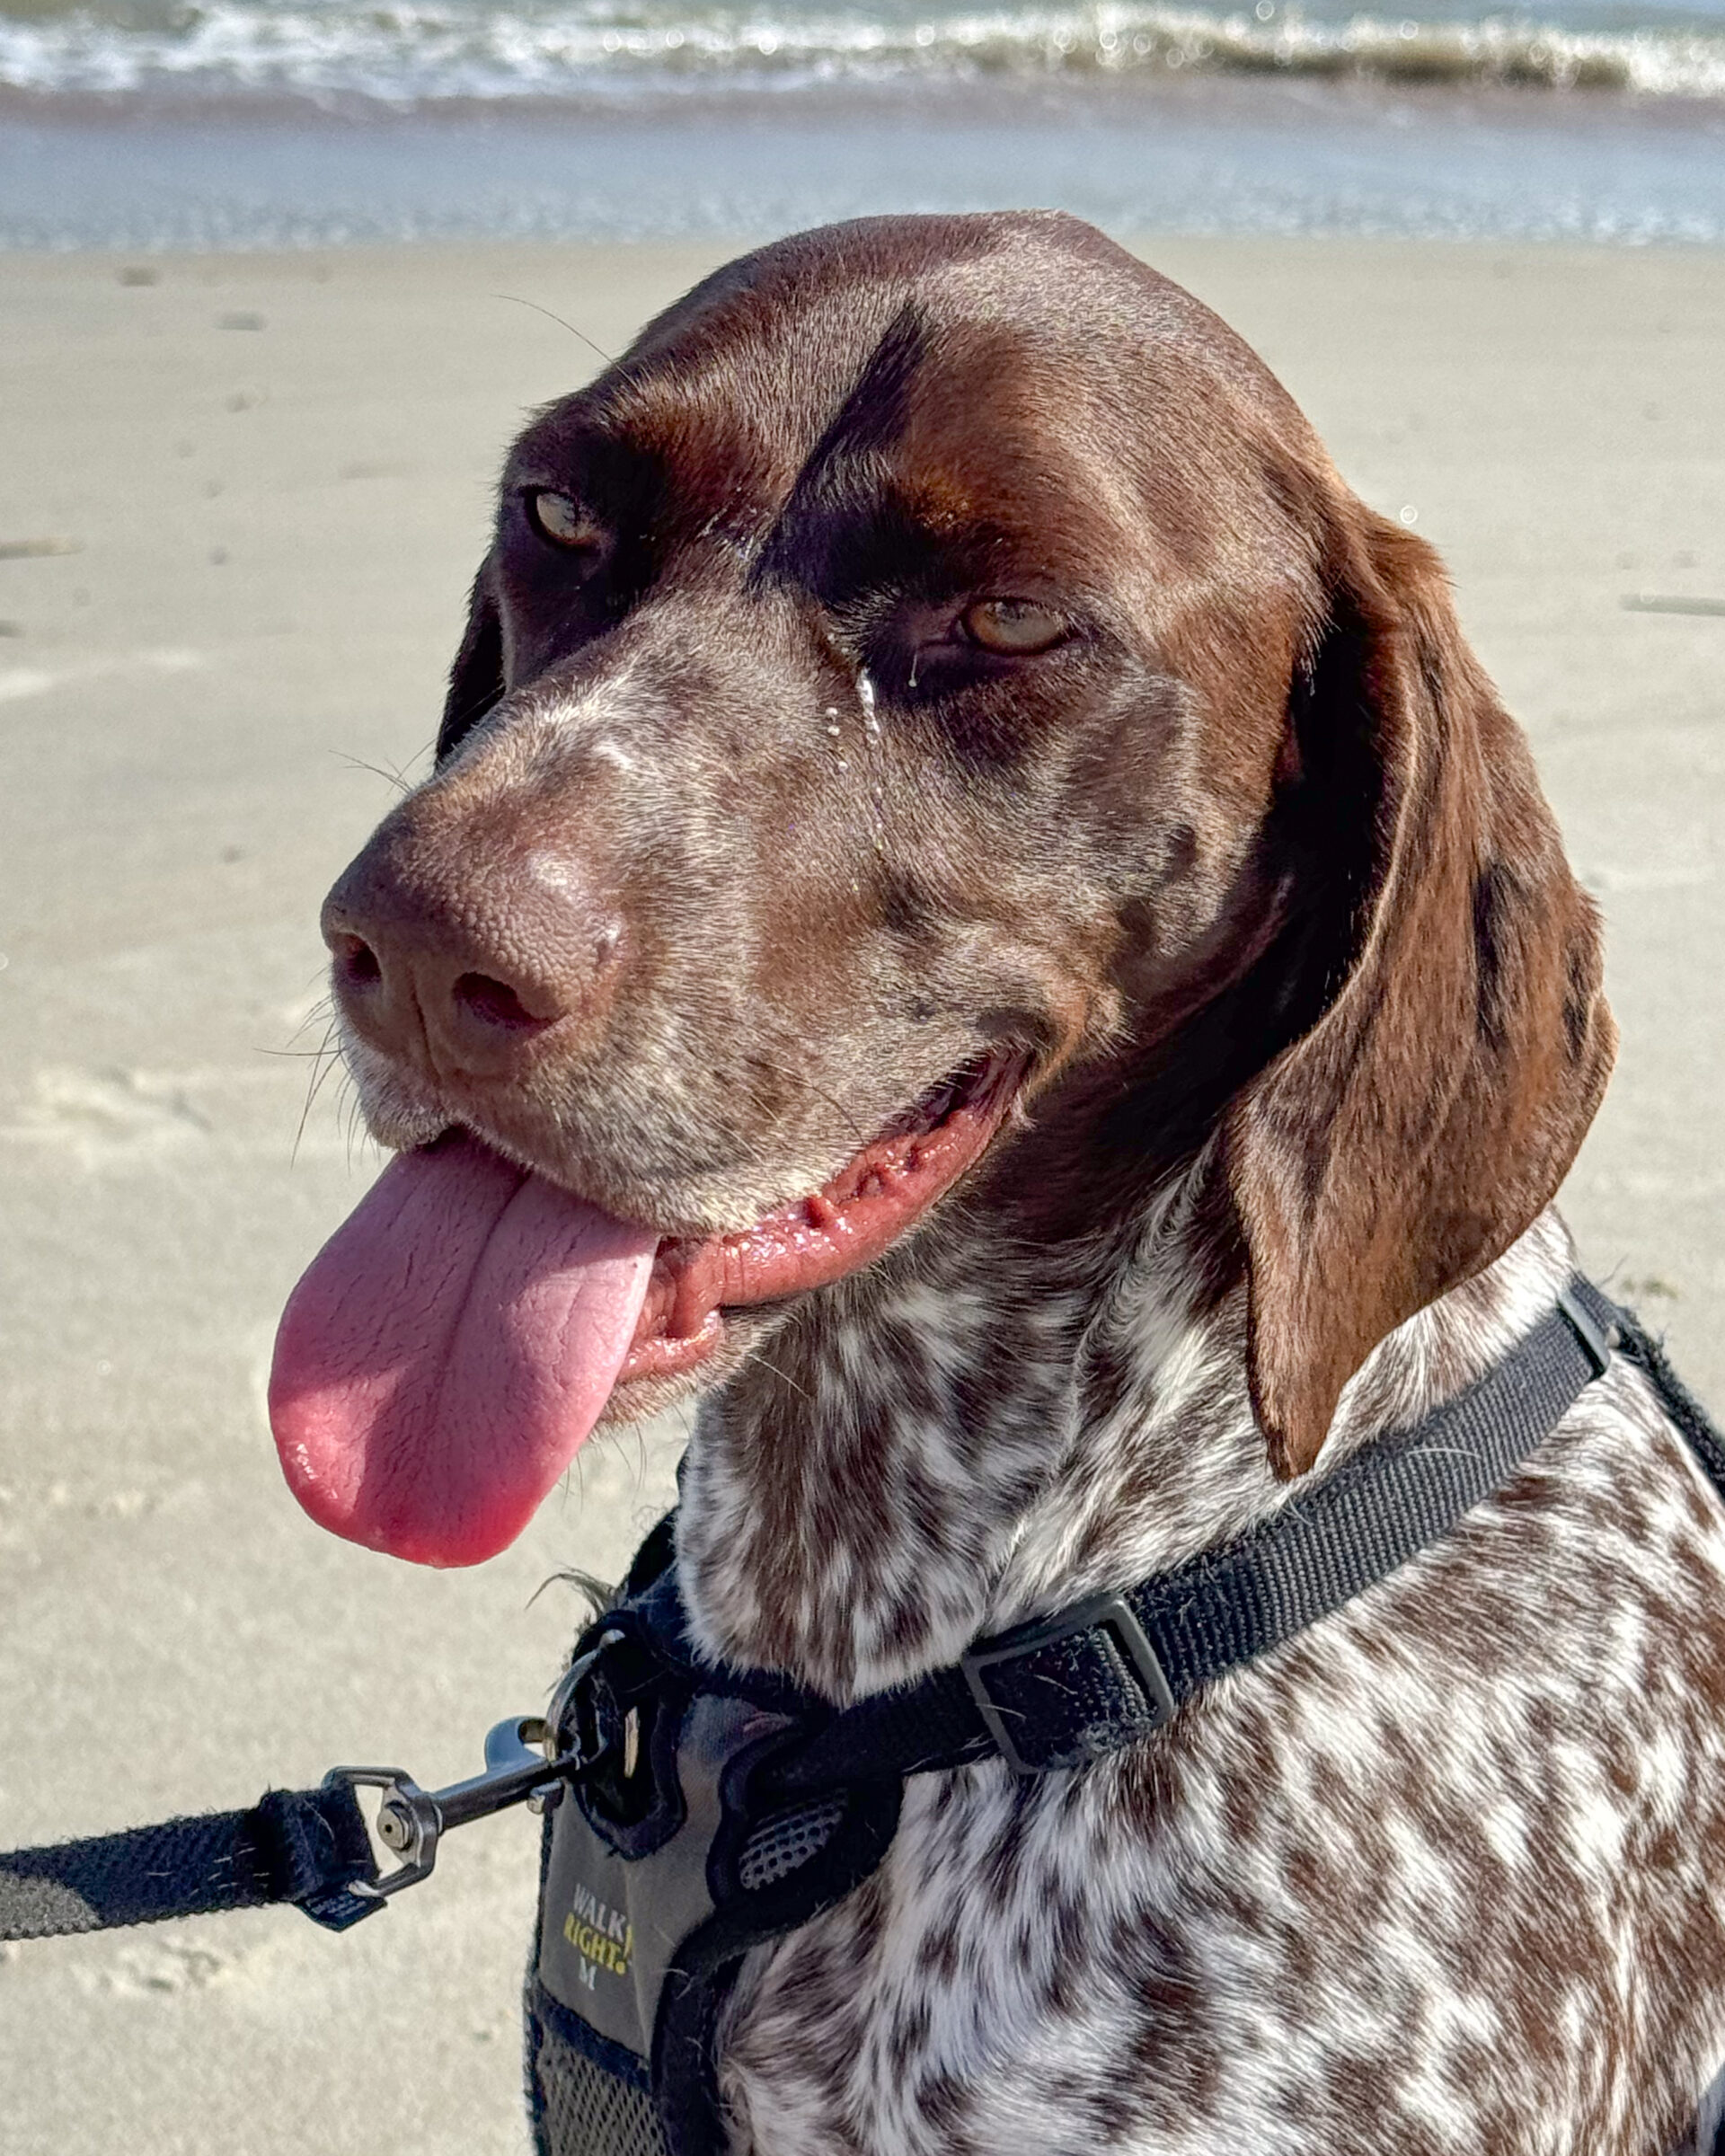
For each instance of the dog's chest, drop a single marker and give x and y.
(1455, 1861)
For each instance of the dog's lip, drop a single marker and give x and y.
(875, 1196)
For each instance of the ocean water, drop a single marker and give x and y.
(272, 122)
(417, 51)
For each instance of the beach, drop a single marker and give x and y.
(243, 495)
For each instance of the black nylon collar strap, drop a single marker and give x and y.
(1107, 1673)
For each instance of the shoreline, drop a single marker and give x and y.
(1200, 155)
(1222, 95)
(1659, 48)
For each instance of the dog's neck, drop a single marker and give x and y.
(981, 1431)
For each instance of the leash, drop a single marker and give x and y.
(309, 1849)
(692, 1813)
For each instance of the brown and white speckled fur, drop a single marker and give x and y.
(1444, 1875)
(1250, 872)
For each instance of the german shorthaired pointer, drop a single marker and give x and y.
(976, 908)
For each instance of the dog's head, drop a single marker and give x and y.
(930, 710)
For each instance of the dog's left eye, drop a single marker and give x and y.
(1015, 628)
(561, 519)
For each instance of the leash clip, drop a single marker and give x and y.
(523, 1765)
(591, 1734)
(412, 1821)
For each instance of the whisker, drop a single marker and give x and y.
(389, 778)
(751, 1355)
(800, 1080)
(514, 300)
(324, 1008)
(353, 1111)
(325, 1059)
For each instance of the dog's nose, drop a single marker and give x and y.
(463, 966)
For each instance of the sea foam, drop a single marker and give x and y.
(411, 54)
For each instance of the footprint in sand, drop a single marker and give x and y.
(24, 681)
(103, 1117)
(157, 1970)
(19, 681)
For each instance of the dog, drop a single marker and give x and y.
(976, 909)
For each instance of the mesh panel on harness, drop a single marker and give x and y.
(786, 1842)
(580, 2108)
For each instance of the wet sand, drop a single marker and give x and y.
(1272, 152)
(249, 493)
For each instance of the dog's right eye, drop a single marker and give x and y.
(561, 519)
(1013, 628)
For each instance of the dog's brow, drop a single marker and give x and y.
(874, 410)
(845, 476)
(605, 467)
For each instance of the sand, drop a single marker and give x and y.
(265, 485)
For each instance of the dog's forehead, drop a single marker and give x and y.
(847, 372)
(1026, 349)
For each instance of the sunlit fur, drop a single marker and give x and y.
(1442, 1876)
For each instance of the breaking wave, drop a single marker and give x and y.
(427, 50)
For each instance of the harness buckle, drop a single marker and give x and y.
(1596, 1342)
(1023, 1677)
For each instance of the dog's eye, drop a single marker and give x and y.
(562, 520)
(1016, 628)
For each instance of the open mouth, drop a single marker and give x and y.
(848, 1222)
(458, 1337)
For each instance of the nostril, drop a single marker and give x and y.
(496, 1002)
(356, 963)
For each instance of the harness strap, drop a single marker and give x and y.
(308, 1847)
(1105, 1674)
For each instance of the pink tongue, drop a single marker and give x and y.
(449, 1348)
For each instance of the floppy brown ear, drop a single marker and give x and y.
(476, 676)
(1427, 1117)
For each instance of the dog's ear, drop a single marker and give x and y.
(476, 676)
(1462, 1042)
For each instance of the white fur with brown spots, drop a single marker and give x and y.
(1440, 1875)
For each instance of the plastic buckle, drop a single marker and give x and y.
(1596, 1343)
(1101, 1612)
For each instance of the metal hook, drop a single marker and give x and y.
(522, 1766)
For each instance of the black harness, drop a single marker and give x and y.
(694, 1813)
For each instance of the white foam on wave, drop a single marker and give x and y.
(410, 54)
